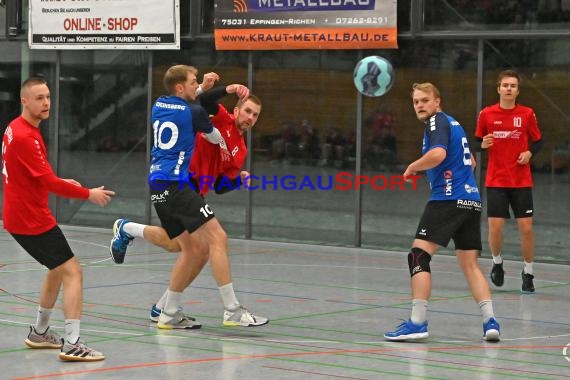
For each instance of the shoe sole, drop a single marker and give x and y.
(71, 358)
(417, 336)
(115, 232)
(238, 324)
(527, 291)
(171, 327)
(153, 319)
(31, 344)
(492, 335)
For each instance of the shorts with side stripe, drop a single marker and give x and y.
(459, 220)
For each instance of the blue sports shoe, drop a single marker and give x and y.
(408, 330)
(155, 313)
(120, 241)
(491, 330)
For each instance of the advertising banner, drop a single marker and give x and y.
(104, 24)
(305, 24)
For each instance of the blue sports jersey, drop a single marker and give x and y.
(453, 178)
(175, 123)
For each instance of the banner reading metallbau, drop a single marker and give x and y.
(104, 24)
(305, 24)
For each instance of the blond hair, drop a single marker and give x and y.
(177, 74)
(426, 87)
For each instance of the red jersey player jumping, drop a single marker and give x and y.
(509, 132)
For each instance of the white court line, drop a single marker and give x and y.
(100, 261)
(82, 329)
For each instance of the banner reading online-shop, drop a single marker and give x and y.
(109, 24)
(305, 24)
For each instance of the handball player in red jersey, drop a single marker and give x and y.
(28, 179)
(509, 132)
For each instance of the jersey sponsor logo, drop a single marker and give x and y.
(507, 134)
(501, 134)
(170, 106)
(471, 189)
(468, 204)
(159, 198)
(498, 122)
(448, 187)
(454, 122)
(447, 174)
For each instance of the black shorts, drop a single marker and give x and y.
(180, 208)
(49, 248)
(518, 198)
(459, 220)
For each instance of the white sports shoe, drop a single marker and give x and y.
(242, 317)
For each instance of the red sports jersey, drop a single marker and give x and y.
(28, 177)
(513, 130)
(211, 160)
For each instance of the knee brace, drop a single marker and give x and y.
(418, 261)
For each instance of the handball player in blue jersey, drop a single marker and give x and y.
(453, 212)
(183, 213)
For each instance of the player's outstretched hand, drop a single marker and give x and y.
(100, 196)
(209, 80)
(240, 90)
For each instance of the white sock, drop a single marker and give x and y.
(72, 330)
(42, 320)
(162, 301)
(527, 267)
(419, 311)
(497, 259)
(228, 296)
(487, 310)
(172, 302)
(134, 229)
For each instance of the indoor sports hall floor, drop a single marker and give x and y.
(329, 307)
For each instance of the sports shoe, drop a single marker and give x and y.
(491, 330)
(408, 330)
(242, 317)
(527, 283)
(498, 274)
(155, 313)
(120, 241)
(49, 339)
(177, 321)
(79, 352)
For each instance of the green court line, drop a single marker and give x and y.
(262, 345)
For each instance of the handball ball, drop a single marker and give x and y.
(373, 76)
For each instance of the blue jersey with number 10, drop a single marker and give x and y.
(175, 123)
(453, 178)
